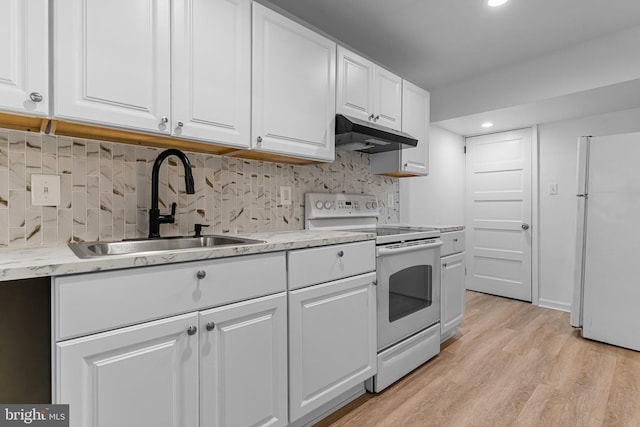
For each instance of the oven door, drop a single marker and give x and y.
(408, 291)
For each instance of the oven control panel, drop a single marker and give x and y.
(338, 205)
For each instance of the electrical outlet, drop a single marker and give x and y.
(45, 190)
(285, 196)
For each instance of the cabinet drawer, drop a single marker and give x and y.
(452, 242)
(93, 302)
(317, 265)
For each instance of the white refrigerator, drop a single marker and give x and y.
(606, 300)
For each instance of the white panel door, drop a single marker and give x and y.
(212, 70)
(355, 85)
(498, 170)
(416, 107)
(112, 62)
(332, 341)
(293, 88)
(387, 104)
(141, 376)
(243, 363)
(24, 49)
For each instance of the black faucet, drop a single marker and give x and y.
(155, 219)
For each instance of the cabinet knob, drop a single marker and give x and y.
(191, 330)
(376, 118)
(371, 117)
(341, 254)
(35, 96)
(164, 119)
(259, 139)
(525, 226)
(455, 239)
(211, 326)
(180, 124)
(201, 274)
(406, 165)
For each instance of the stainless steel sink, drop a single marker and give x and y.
(146, 246)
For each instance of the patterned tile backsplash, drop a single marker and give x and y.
(106, 190)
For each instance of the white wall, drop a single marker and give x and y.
(437, 199)
(557, 164)
(593, 64)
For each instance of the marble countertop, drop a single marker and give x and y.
(60, 260)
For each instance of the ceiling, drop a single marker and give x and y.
(435, 43)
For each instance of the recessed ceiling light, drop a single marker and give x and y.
(496, 3)
(487, 124)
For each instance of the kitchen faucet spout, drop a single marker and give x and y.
(155, 219)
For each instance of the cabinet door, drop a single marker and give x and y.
(387, 99)
(212, 70)
(243, 363)
(452, 292)
(112, 62)
(332, 341)
(355, 85)
(24, 52)
(293, 88)
(144, 375)
(415, 122)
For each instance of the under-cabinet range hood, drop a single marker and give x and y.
(359, 135)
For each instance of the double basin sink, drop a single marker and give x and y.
(146, 246)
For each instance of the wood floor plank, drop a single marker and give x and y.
(510, 364)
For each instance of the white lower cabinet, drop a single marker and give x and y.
(222, 363)
(452, 283)
(243, 364)
(332, 341)
(143, 375)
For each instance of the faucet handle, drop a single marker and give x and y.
(198, 229)
(168, 219)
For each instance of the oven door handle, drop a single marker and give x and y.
(387, 251)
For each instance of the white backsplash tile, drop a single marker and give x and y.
(106, 190)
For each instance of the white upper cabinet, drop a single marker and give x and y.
(212, 70)
(416, 105)
(24, 32)
(415, 121)
(112, 62)
(355, 85)
(293, 88)
(179, 68)
(387, 96)
(368, 92)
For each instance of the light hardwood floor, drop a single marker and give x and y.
(510, 364)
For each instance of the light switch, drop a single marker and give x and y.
(553, 189)
(285, 196)
(45, 190)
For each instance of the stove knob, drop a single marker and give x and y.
(318, 204)
(327, 205)
(374, 205)
(368, 205)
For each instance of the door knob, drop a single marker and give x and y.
(525, 226)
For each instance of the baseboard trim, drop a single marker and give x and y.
(555, 305)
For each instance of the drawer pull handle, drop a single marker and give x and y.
(192, 330)
(201, 274)
(211, 326)
(341, 254)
